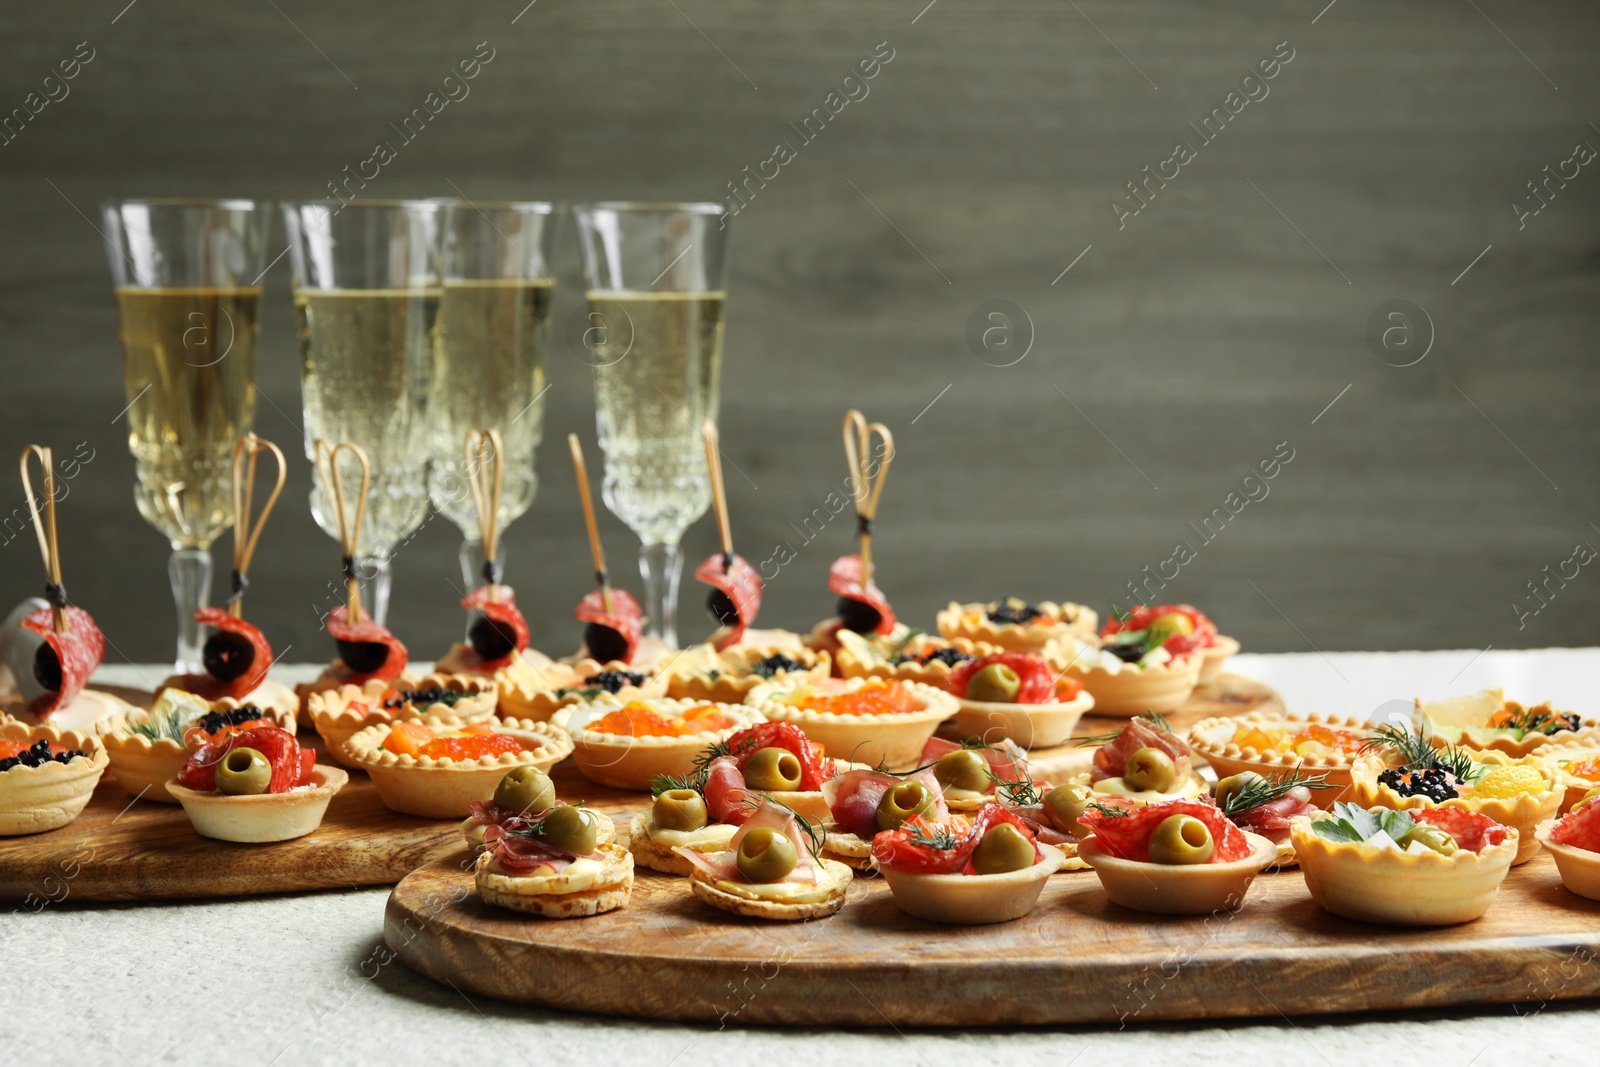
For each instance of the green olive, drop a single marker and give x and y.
(570, 828)
(994, 684)
(1181, 839)
(1004, 848)
(963, 769)
(1231, 786)
(1150, 769)
(679, 809)
(1065, 805)
(1429, 837)
(244, 772)
(526, 789)
(1593, 794)
(903, 800)
(766, 855)
(772, 768)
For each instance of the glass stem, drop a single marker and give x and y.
(661, 566)
(190, 571)
(378, 575)
(471, 556)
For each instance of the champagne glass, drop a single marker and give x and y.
(488, 369)
(656, 277)
(366, 296)
(187, 277)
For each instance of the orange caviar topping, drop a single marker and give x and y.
(1588, 770)
(876, 697)
(636, 720)
(468, 743)
(1313, 740)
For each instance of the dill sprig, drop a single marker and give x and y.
(1264, 789)
(1021, 791)
(1109, 810)
(931, 835)
(663, 783)
(1155, 718)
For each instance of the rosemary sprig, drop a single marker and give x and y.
(158, 728)
(1418, 750)
(1264, 789)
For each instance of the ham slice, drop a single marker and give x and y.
(853, 798)
(1112, 758)
(724, 867)
(1271, 820)
(1006, 760)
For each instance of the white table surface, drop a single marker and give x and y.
(303, 979)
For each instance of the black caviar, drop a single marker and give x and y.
(37, 755)
(421, 698)
(1435, 783)
(212, 721)
(775, 663)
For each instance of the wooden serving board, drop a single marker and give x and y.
(1076, 958)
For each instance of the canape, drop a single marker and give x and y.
(147, 748)
(1575, 769)
(1574, 841)
(1487, 721)
(367, 651)
(728, 676)
(524, 793)
(1133, 673)
(1188, 630)
(1146, 762)
(1271, 744)
(970, 773)
(236, 657)
(866, 720)
(626, 746)
(338, 714)
(862, 609)
(256, 786)
(1411, 771)
(554, 860)
(911, 657)
(1016, 696)
(1053, 813)
(864, 802)
(772, 869)
(769, 759)
(678, 817)
(1179, 857)
(46, 776)
(1427, 867)
(952, 869)
(437, 767)
(1267, 804)
(1016, 625)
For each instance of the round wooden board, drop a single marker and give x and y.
(1076, 958)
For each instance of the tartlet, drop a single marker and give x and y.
(918, 657)
(775, 760)
(1185, 630)
(520, 682)
(1487, 721)
(1043, 706)
(287, 801)
(39, 793)
(146, 748)
(338, 714)
(944, 870)
(809, 887)
(1156, 681)
(1145, 763)
(1417, 887)
(728, 676)
(627, 745)
(1214, 877)
(525, 869)
(443, 787)
(84, 713)
(1574, 842)
(1575, 769)
(1272, 744)
(560, 684)
(1016, 625)
(896, 721)
(857, 797)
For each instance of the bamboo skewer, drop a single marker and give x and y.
(45, 528)
(865, 488)
(595, 550)
(486, 477)
(245, 536)
(327, 460)
(719, 495)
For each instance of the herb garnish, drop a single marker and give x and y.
(1264, 789)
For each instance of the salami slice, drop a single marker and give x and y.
(844, 578)
(741, 585)
(505, 629)
(1037, 682)
(1128, 836)
(237, 645)
(78, 652)
(1474, 831)
(896, 848)
(366, 632)
(625, 618)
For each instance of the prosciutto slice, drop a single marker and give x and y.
(625, 616)
(1271, 820)
(503, 610)
(1007, 762)
(844, 578)
(853, 798)
(79, 652)
(723, 866)
(366, 632)
(740, 583)
(1112, 758)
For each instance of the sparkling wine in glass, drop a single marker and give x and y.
(187, 277)
(656, 276)
(366, 297)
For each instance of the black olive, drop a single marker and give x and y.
(604, 643)
(492, 639)
(47, 668)
(721, 606)
(363, 657)
(227, 655)
(859, 616)
(1127, 653)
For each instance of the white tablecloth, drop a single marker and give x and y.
(300, 979)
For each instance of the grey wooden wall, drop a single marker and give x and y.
(1182, 347)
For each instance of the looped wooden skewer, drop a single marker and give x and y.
(719, 495)
(245, 536)
(595, 550)
(486, 477)
(327, 458)
(45, 528)
(865, 488)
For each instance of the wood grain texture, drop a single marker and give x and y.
(1076, 958)
(1192, 340)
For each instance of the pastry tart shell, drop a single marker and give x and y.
(832, 876)
(1514, 747)
(36, 799)
(1179, 889)
(848, 664)
(265, 817)
(1523, 813)
(658, 855)
(330, 680)
(623, 761)
(336, 723)
(733, 688)
(894, 741)
(1066, 620)
(1579, 868)
(142, 767)
(1029, 725)
(1211, 740)
(1130, 691)
(973, 899)
(545, 897)
(1381, 885)
(1212, 659)
(446, 788)
(1551, 759)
